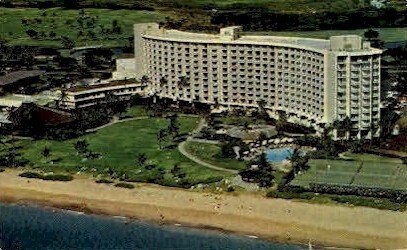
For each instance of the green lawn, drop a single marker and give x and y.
(386, 34)
(136, 111)
(280, 5)
(65, 23)
(375, 171)
(119, 145)
(211, 153)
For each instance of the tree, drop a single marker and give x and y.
(262, 109)
(71, 4)
(299, 161)
(12, 158)
(259, 171)
(371, 34)
(281, 122)
(245, 125)
(141, 159)
(173, 127)
(46, 152)
(161, 134)
(387, 121)
(176, 171)
(228, 148)
(62, 98)
(116, 28)
(81, 146)
(183, 81)
(163, 81)
(145, 80)
(344, 125)
(52, 34)
(263, 136)
(32, 33)
(357, 146)
(67, 42)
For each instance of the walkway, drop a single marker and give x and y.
(182, 150)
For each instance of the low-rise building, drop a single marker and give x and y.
(85, 96)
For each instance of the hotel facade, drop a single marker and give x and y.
(313, 81)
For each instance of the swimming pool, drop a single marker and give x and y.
(278, 154)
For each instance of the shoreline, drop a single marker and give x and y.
(242, 214)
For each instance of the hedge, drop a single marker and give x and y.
(124, 185)
(57, 177)
(380, 203)
(47, 177)
(106, 181)
(399, 196)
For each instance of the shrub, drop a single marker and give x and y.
(211, 180)
(47, 177)
(31, 175)
(230, 189)
(380, 203)
(124, 185)
(57, 177)
(399, 196)
(106, 181)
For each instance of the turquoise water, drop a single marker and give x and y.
(23, 227)
(278, 154)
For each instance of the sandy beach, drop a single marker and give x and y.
(245, 214)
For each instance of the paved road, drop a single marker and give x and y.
(181, 148)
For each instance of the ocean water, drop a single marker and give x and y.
(26, 227)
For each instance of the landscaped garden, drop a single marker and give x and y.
(129, 151)
(211, 153)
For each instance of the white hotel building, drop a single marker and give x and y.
(314, 81)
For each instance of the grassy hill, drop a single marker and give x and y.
(51, 24)
(43, 22)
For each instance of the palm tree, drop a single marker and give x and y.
(281, 122)
(387, 121)
(163, 81)
(81, 146)
(161, 134)
(145, 79)
(262, 108)
(344, 125)
(62, 98)
(183, 81)
(141, 159)
(299, 161)
(347, 125)
(173, 127)
(46, 152)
